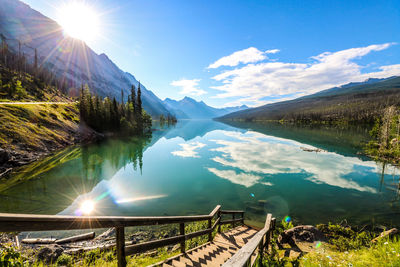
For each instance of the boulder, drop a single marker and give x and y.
(4, 156)
(301, 233)
(49, 254)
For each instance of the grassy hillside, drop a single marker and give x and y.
(30, 131)
(21, 86)
(357, 103)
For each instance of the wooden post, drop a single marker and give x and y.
(209, 227)
(219, 224)
(182, 232)
(261, 251)
(120, 235)
(233, 218)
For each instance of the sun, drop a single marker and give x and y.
(79, 20)
(87, 207)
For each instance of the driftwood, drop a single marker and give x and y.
(17, 241)
(312, 149)
(384, 234)
(38, 240)
(76, 238)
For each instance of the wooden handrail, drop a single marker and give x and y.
(244, 256)
(231, 211)
(27, 222)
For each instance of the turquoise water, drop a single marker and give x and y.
(191, 167)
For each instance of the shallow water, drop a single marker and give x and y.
(191, 167)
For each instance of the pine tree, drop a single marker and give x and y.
(35, 62)
(139, 118)
(133, 97)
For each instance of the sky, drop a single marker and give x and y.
(254, 52)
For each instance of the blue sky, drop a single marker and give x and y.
(177, 48)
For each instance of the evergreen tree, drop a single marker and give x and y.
(133, 97)
(139, 116)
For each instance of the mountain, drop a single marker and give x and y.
(358, 102)
(68, 58)
(188, 108)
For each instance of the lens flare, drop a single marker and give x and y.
(87, 207)
(252, 195)
(288, 219)
(318, 244)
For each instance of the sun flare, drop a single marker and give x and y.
(79, 20)
(87, 207)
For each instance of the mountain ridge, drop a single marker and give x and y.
(189, 108)
(69, 59)
(358, 102)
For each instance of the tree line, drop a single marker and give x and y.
(109, 115)
(15, 61)
(386, 136)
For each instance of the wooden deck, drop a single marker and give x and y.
(214, 253)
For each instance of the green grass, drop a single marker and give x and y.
(36, 127)
(385, 253)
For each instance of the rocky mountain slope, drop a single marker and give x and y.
(67, 58)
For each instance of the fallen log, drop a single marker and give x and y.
(38, 240)
(76, 238)
(384, 234)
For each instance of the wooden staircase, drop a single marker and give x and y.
(240, 246)
(214, 253)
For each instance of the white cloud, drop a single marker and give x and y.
(272, 51)
(188, 150)
(257, 155)
(245, 179)
(249, 55)
(255, 81)
(189, 87)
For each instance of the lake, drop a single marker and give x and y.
(192, 166)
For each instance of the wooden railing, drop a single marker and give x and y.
(26, 222)
(247, 255)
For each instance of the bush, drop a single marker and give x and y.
(64, 260)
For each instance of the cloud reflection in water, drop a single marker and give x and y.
(257, 155)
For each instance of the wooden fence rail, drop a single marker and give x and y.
(247, 255)
(26, 222)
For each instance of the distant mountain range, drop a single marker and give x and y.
(363, 101)
(188, 108)
(68, 58)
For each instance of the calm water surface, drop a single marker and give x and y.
(191, 167)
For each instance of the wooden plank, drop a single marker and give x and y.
(210, 233)
(231, 211)
(120, 235)
(198, 233)
(215, 210)
(216, 223)
(243, 256)
(182, 232)
(138, 248)
(76, 238)
(24, 222)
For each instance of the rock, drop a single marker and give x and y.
(301, 233)
(384, 234)
(4, 156)
(49, 254)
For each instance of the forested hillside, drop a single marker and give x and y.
(354, 104)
